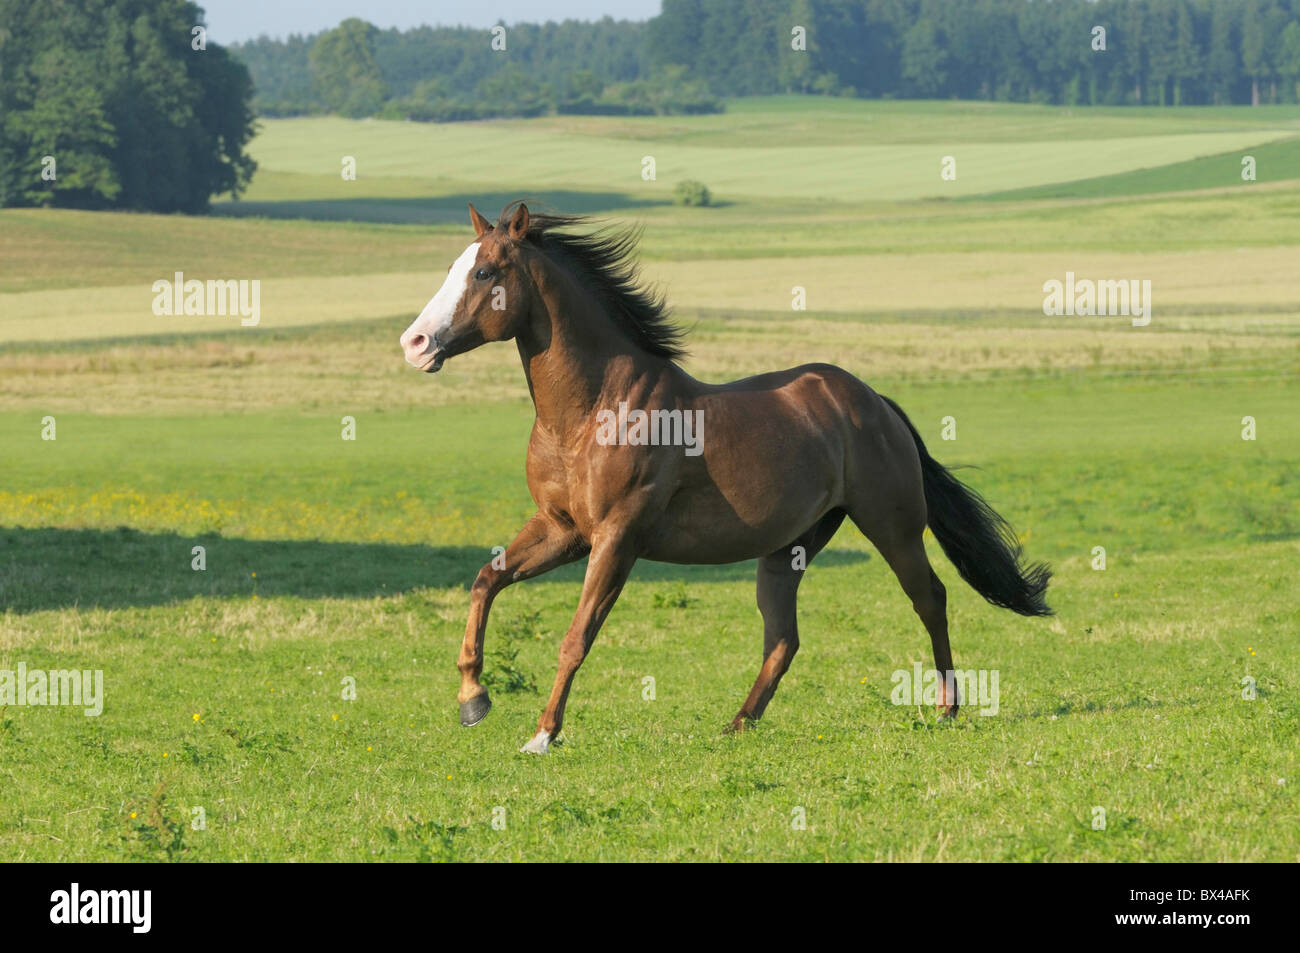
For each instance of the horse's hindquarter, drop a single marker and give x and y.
(777, 451)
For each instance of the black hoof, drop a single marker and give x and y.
(475, 710)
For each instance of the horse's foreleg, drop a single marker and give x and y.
(541, 546)
(607, 571)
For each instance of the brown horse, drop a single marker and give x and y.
(631, 457)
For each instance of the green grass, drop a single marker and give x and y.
(539, 157)
(1274, 162)
(761, 121)
(1129, 699)
(329, 560)
(134, 250)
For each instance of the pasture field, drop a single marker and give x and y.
(329, 560)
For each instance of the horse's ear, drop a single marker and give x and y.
(518, 229)
(481, 225)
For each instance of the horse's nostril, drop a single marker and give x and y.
(419, 342)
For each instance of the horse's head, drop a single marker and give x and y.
(485, 297)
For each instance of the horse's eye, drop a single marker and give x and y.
(482, 274)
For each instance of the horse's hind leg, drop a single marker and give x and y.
(912, 566)
(778, 587)
(887, 503)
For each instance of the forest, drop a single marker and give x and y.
(696, 52)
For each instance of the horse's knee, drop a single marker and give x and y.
(572, 652)
(488, 582)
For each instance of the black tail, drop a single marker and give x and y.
(980, 543)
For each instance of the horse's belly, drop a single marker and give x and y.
(727, 522)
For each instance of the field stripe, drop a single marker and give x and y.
(866, 169)
(865, 284)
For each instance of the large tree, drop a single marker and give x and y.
(344, 71)
(117, 104)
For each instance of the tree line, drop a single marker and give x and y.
(1098, 52)
(450, 73)
(1071, 52)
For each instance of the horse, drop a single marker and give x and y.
(770, 467)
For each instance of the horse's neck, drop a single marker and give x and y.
(576, 358)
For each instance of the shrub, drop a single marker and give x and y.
(690, 192)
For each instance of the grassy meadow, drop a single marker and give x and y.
(334, 562)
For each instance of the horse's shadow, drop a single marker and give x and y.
(43, 569)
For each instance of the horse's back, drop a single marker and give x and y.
(824, 394)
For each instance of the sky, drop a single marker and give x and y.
(233, 21)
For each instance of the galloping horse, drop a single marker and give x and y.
(773, 462)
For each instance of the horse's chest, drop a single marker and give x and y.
(548, 480)
(584, 485)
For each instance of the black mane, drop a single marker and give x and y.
(604, 258)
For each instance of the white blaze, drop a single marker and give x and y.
(437, 314)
